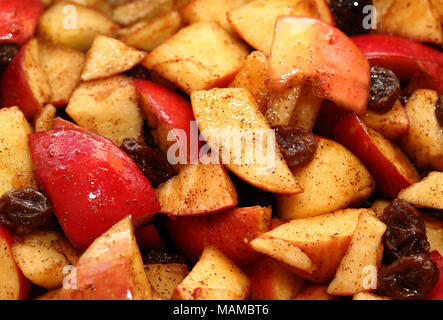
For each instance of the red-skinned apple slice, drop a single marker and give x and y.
(309, 50)
(437, 291)
(148, 238)
(228, 231)
(13, 284)
(403, 56)
(90, 182)
(24, 83)
(18, 20)
(390, 168)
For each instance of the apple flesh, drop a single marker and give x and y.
(309, 50)
(228, 231)
(91, 183)
(390, 168)
(18, 20)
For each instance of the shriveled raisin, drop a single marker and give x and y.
(385, 90)
(406, 233)
(7, 53)
(138, 72)
(349, 16)
(153, 165)
(162, 257)
(439, 110)
(409, 278)
(297, 145)
(24, 210)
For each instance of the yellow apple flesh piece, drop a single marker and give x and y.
(428, 193)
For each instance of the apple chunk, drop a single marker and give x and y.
(306, 49)
(164, 278)
(225, 115)
(13, 285)
(91, 183)
(214, 277)
(313, 247)
(228, 231)
(111, 269)
(333, 180)
(427, 193)
(391, 169)
(25, 83)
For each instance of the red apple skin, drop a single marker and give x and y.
(352, 133)
(15, 88)
(403, 56)
(228, 231)
(90, 182)
(25, 284)
(148, 238)
(171, 111)
(18, 20)
(437, 291)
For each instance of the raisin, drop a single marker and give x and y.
(385, 90)
(139, 72)
(7, 53)
(439, 110)
(409, 278)
(151, 162)
(24, 210)
(297, 146)
(162, 257)
(406, 233)
(349, 16)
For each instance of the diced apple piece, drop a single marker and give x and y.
(306, 110)
(424, 141)
(18, 20)
(45, 119)
(91, 183)
(63, 66)
(228, 231)
(133, 11)
(232, 114)
(111, 269)
(379, 206)
(271, 280)
(333, 180)
(25, 83)
(214, 277)
(148, 35)
(210, 10)
(107, 107)
(148, 238)
(363, 256)
(16, 166)
(314, 292)
(434, 231)
(309, 50)
(368, 296)
(391, 169)
(200, 56)
(437, 292)
(314, 246)
(42, 257)
(392, 124)
(13, 285)
(108, 57)
(281, 106)
(197, 189)
(103, 6)
(164, 278)
(427, 193)
(73, 25)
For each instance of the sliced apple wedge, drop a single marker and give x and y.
(314, 292)
(111, 269)
(45, 119)
(214, 277)
(127, 12)
(427, 193)
(363, 256)
(225, 115)
(306, 110)
(391, 169)
(369, 296)
(314, 246)
(164, 278)
(333, 180)
(281, 106)
(108, 57)
(309, 50)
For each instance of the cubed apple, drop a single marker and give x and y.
(164, 278)
(428, 193)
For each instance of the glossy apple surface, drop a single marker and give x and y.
(90, 182)
(148, 238)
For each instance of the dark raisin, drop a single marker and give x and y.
(439, 110)
(151, 162)
(406, 232)
(349, 16)
(385, 90)
(162, 257)
(139, 72)
(24, 210)
(7, 53)
(249, 196)
(297, 146)
(409, 278)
